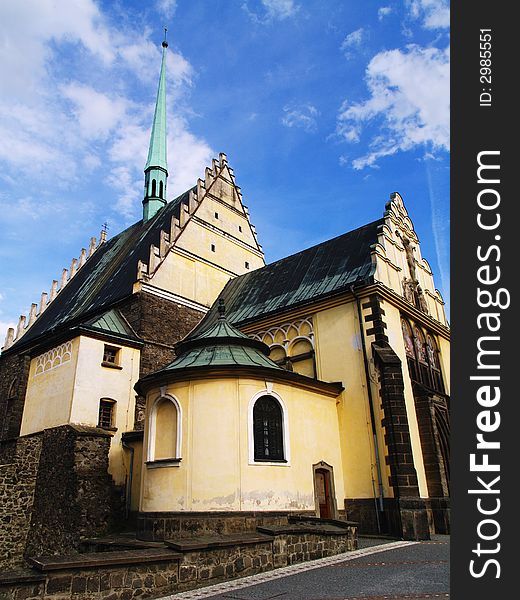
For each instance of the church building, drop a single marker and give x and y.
(172, 379)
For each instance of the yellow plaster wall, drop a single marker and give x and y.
(215, 473)
(339, 357)
(94, 382)
(202, 280)
(49, 395)
(191, 269)
(228, 220)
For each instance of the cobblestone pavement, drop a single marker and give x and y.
(379, 570)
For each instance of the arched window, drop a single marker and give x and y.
(106, 415)
(154, 188)
(164, 436)
(422, 355)
(301, 355)
(161, 189)
(268, 429)
(410, 350)
(433, 359)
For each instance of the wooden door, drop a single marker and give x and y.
(323, 493)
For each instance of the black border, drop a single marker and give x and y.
(476, 128)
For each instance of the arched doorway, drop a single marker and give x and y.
(324, 494)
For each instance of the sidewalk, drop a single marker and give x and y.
(379, 570)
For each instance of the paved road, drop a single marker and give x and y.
(395, 571)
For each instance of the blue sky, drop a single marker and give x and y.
(323, 107)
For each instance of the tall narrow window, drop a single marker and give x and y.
(161, 189)
(166, 430)
(154, 188)
(433, 359)
(410, 350)
(164, 438)
(106, 413)
(422, 356)
(268, 430)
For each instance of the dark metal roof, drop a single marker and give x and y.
(107, 276)
(313, 274)
(111, 324)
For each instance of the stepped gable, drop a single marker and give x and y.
(106, 277)
(324, 270)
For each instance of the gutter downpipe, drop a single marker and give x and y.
(372, 416)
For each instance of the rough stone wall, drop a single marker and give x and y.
(17, 488)
(14, 373)
(55, 490)
(74, 492)
(161, 324)
(293, 548)
(165, 526)
(190, 570)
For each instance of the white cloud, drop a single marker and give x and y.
(274, 10)
(353, 41)
(383, 12)
(97, 113)
(167, 7)
(435, 14)
(409, 100)
(58, 125)
(303, 116)
(280, 9)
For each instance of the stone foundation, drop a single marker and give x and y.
(159, 571)
(158, 526)
(439, 515)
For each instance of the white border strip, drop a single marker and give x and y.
(237, 584)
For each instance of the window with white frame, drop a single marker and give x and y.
(268, 431)
(164, 435)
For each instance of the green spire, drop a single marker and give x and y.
(156, 168)
(157, 150)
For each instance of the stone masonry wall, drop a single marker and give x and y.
(74, 493)
(191, 569)
(55, 489)
(17, 488)
(161, 324)
(14, 373)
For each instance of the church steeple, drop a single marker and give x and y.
(156, 168)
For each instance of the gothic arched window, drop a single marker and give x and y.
(154, 188)
(433, 359)
(422, 355)
(161, 189)
(268, 430)
(410, 350)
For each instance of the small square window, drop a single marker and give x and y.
(213, 247)
(111, 356)
(106, 413)
(216, 215)
(247, 265)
